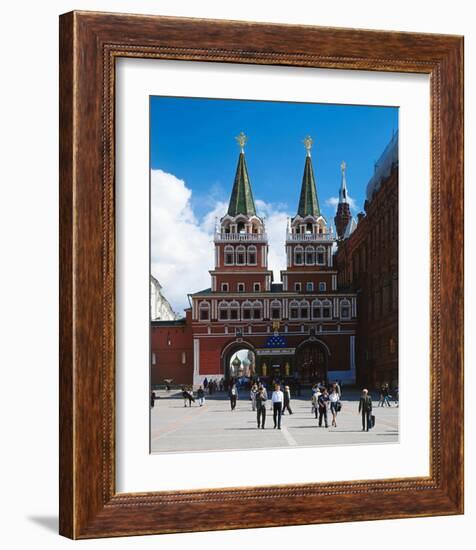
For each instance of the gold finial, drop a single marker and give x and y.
(343, 166)
(308, 144)
(241, 139)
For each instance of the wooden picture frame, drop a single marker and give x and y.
(90, 43)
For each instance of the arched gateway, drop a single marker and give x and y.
(312, 360)
(238, 359)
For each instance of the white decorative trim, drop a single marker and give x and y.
(196, 360)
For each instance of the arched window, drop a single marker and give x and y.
(316, 309)
(298, 255)
(252, 255)
(326, 309)
(275, 309)
(294, 310)
(223, 311)
(234, 310)
(309, 255)
(345, 309)
(204, 310)
(257, 310)
(320, 255)
(240, 255)
(304, 309)
(246, 310)
(229, 255)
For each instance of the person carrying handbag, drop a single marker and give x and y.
(334, 399)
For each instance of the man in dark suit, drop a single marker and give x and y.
(365, 407)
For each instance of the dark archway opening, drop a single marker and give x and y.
(312, 363)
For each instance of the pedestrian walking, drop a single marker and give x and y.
(201, 396)
(381, 397)
(395, 396)
(152, 399)
(185, 396)
(334, 400)
(261, 398)
(365, 407)
(314, 400)
(287, 400)
(191, 399)
(233, 395)
(277, 399)
(386, 396)
(322, 401)
(253, 392)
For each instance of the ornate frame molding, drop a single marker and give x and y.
(90, 43)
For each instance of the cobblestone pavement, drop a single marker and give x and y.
(215, 427)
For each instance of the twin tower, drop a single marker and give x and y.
(241, 218)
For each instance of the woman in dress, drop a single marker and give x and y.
(334, 398)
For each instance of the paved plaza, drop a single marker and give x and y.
(215, 427)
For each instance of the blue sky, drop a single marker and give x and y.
(193, 139)
(193, 162)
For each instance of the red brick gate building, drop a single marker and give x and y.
(367, 262)
(302, 328)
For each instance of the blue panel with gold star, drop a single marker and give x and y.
(276, 341)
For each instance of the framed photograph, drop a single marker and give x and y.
(261, 304)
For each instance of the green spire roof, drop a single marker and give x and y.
(241, 201)
(308, 201)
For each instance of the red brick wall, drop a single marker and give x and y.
(233, 279)
(313, 277)
(168, 344)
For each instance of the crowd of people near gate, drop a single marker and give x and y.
(276, 396)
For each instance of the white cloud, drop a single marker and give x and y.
(182, 249)
(334, 201)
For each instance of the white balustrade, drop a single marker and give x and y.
(306, 237)
(239, 237)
